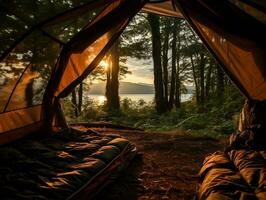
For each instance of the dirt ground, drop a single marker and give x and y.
(165, 168)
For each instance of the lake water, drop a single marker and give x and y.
(135, 97)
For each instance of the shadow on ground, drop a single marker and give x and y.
(166, 167)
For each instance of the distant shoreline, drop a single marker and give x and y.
(121, 93)
(128, 88)
(129, 93)
(100, 98)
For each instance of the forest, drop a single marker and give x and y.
(178, 59)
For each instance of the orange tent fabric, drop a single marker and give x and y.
(37, 78)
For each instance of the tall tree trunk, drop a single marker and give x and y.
(80, 97)
(114, 94)
(74, 103)
(178, 90)
(178, 82)
(108, 87)
(220, 83)
(208, 81)
(195, 80)
(165, 58)
(202, 78)
(173, 74)
(154, 22)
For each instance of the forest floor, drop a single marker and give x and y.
(165, 168)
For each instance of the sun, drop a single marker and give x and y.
(104, 64)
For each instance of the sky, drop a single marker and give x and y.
(141, 71)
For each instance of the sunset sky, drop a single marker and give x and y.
(141, 71)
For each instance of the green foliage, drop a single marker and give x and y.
(218, 120)
(135, 40)
(125, 104)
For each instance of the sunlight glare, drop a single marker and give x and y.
(101, 100)
(104, 64)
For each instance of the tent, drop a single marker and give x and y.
(41, 60)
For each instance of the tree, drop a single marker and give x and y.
(220, 84)
(130, 44)
(112, 79)
(210, 82)
(80, 97)
(174, 74)
(161, 105)
(165, 48)
(108, 87)
(74, 103)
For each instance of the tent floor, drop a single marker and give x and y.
(168, 167)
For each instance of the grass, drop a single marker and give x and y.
(216, 120)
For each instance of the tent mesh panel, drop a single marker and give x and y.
(11, 28)
(65, 30)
